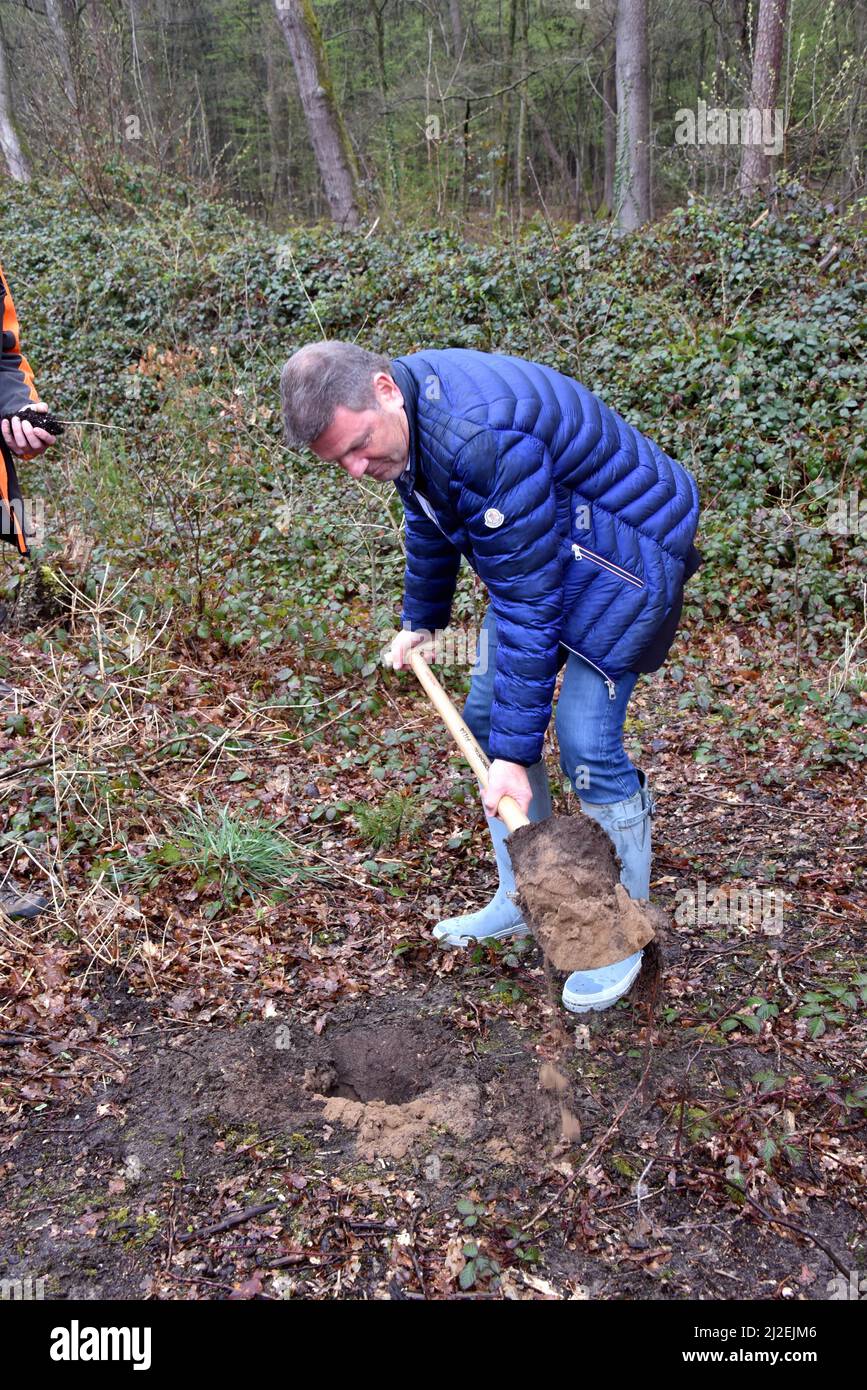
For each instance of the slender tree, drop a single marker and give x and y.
(522, 65)
(377, 12)
(328, 135)
(54, 10)
(609, 130)
(501, 185)
(756, 165)
(9, 144)
(457, 27)
(632, 181)
(853, 160)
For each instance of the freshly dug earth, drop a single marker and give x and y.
(196, 1123)
(380, 1082)
(390, 1131)
(568, 885)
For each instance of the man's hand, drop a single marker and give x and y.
(507, 779)
(403, 644)
(24, 438)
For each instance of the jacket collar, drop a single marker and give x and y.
(405, 484)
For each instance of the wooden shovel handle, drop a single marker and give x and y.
(508, 809)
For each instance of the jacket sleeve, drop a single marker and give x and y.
(17, 388)
(432, 565)
(508, 505)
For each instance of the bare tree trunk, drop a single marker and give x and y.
(54, 13)
(15, 161)
(854, 157)
(756, 167)
(544, 132)
(324, 122)
(276, 162)
(457, 27)
(378, 13)
(745, 16)
(465, 177)
(609, 130)
(145, 80)
(502, 183)
(521, 132)
(632, 179)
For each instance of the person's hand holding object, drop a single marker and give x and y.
(507, 779)
(23, 438)
(403, 644)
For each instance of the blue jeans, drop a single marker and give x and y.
(589, 723)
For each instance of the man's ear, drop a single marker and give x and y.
(387, 389)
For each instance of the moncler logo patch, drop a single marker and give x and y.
(493, 518)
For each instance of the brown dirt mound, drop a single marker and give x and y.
(385, 1084)
(390, 1131)
(568, 886)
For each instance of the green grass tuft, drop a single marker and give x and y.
(239, 853)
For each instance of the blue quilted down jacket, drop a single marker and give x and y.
(579, 526)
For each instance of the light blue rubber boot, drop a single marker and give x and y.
(501, 918)
(627, 824)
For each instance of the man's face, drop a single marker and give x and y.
(369, 443)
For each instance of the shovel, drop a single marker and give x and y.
(566, 870)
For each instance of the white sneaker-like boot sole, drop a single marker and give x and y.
(589, 991)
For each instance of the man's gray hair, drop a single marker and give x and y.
(321, 376)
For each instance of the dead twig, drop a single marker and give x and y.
(763, 1212)
(235, 1220)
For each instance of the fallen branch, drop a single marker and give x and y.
(228, 1223)
(829, 258)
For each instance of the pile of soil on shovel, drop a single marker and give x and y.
(568, 887)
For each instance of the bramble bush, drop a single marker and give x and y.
(722, 340)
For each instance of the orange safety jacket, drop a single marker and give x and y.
(17, 390)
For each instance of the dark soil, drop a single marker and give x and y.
(42, 419)
(106, 1197)
(393, 1063)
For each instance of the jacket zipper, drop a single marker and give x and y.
(582, 553)
(612, 689)
(579, 552)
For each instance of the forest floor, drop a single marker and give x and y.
(309, 1099)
